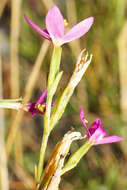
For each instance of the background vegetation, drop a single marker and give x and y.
(102, 93)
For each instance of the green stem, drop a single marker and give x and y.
(10, 100)
(54, 70)
(42, 155)
(7, 105)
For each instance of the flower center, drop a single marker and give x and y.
(41, 107)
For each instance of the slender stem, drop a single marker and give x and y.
(45, 138)
(42, 155)
(54, 69)
(2, 6)
(16, 105)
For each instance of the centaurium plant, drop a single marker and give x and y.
(55, 29)
(48, 178)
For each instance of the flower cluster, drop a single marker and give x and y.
(55, 32)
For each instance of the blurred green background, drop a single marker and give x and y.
(101, 93)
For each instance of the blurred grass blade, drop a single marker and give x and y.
(48, 3)
(35, 71)
(4, 180)
(72, 19)
(15, 31)
(14, 63)
(122, 51)
(2, 6)
(27, 95)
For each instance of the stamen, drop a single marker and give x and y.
(40, 107)
(66, 24)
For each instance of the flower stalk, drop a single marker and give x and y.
(11, 103)
(53, 80)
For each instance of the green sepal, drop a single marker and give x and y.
(53, 88)
(55, 64)
(60, 106)
(76, 157)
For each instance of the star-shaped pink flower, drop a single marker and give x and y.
(96, 132)
(55, 28)
(38, 107)
(33, 107)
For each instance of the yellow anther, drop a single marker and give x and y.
(41, 107)
(66, 24)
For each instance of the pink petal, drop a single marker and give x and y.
(40, 100)
(55, 23)
(78, 30)
(83, 121)
(43, 33)
(110, 139)
(96, 129)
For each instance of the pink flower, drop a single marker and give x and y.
(39, 106)
(55, 27)
(96, 132)
(33, 107)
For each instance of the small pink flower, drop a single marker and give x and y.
(96, 132)
(39, 106)
(33, 107)
(55, 28)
